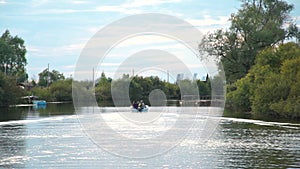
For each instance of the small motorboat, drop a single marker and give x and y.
(39, 102)
(145, 109)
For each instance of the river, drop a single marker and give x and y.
(53, 137)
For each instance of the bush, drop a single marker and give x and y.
(61, 90)
(10, 93)
(238, 96)
(271, 88)
(58, 91)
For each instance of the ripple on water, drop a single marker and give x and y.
(59, 142)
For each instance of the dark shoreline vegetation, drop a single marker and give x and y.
(260, 53)
(116, 92)
(271, 88)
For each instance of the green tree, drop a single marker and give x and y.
(270, 85)
(204, 87)
(46, 78)
(136, 88)
(10, 93)
(42, 93)
(257, 25)
(284, 91)
(12, 56)
(61, 90)
(238, 96)
(103, 88)
(172, 91)
(188, 87)
(271, 88)
(82, 94)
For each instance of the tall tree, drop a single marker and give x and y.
(46, 77)
(257, 25)
(9, 92)
(103, 88)
(271, 88)
(12, 56)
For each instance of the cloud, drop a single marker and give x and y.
(3, 2)
(93, 29)
(79, 2)
(209, 23)
(138, 3)
(37, 3)
(69, 66)
(74, 47)
(110, 64)
(148, 40)
(120, 9)
(54, 51)
(208, 20)
(33, 49)
(56, 11)
(131, 7)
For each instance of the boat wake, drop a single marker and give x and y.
(264, 123)
(27, 121)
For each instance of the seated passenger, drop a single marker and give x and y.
(141, 105)
(135, 105)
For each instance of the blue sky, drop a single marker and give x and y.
(55, 32)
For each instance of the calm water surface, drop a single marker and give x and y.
(52, 137)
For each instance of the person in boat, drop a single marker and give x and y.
(135, 105)
(141, 106)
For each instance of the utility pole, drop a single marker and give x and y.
(48, 76)
(168, 76)
(93, 77)
(132, 72)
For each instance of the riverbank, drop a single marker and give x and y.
(29, 105)
(226, 113)
(250, 116)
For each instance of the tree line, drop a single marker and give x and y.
(140, 87)
(259, 52)
(261, 65)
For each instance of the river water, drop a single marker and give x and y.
(53, 137)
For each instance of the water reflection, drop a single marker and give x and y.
(12, 146)
(56, 109)
(52, 138)
(12, 142)
(15, 113)
(39, 106)
(22, 131)
(249, 145)
(33, 112)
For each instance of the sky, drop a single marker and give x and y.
(56, 32)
